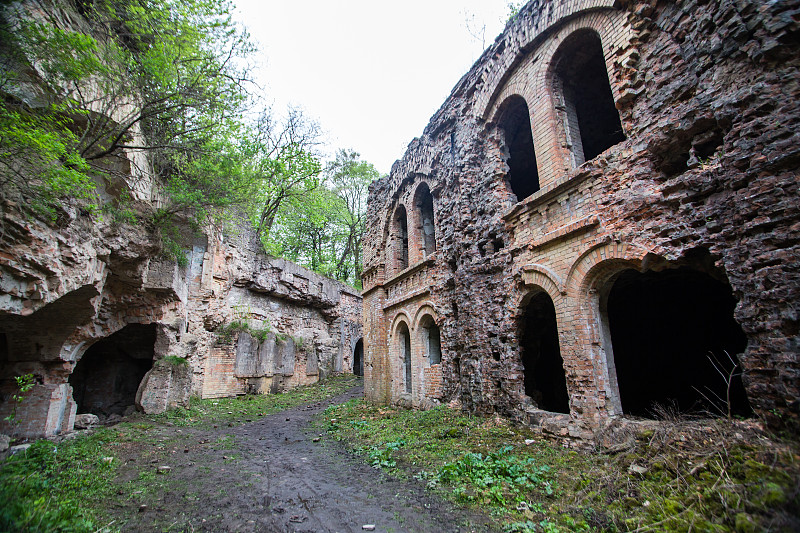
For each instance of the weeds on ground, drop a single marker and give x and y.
(46, 487)
(242, 409)
(69, 486)
(678, 476)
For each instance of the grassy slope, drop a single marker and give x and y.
(683, 476)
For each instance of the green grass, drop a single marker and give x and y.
(68, 486)
(697, 477)
(45, 488)
(240, 409)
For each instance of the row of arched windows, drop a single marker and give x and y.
(586, 117)
(429, 341)
(412, 243)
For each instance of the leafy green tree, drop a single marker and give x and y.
(349, 179)
(99, 90)
(323, 229)
(281, 162)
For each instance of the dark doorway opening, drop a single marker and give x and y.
(515, 121)
(668, 331)
(106, 378)
(405, 351)
(592, 119)
(358, 358)
(545, 380)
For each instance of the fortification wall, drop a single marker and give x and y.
(547, 196)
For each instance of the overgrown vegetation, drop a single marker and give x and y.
(47, 487)
(102, 101)
(240, 409)
(226, 332)
(24, 384)
(680, 476)
(70, 486)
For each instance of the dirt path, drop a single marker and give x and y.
(270, 475)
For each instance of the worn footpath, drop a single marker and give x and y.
(275, 474)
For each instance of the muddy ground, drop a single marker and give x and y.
(270, 475)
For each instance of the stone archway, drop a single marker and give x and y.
(108, 375)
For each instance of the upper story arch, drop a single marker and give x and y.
(567, 72)
(514, 120)
(587, 120)
(397, 241)
(423, 221)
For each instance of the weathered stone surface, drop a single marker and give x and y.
(86, 420)
(704, 178)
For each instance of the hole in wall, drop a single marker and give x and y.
(106, 378)
(668, 331)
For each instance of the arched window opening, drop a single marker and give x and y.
(431, 340)
(404, 341)
(584, 99)
(515, 121)
(105, 380)
(358, 358)
(425, 225)
(674, 339)
(545, 380)
(400, 239)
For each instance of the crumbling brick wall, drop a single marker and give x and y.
(703, 176)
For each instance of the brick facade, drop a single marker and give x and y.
(701, 182)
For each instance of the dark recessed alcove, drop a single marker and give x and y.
(668, 331)
(545, 381)
(106, 378)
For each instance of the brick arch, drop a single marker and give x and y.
(524, 75)
(544, 277)
(426, 308)
(416, 239)
(402, 377)
(402, 316)
(397, 258)
(599, 261)
(529, 78)
(590, 272)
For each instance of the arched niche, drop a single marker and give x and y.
(543, 368)
(398, 239)
(513, 118)
(584, 102)
(430, 338)
(425, 222)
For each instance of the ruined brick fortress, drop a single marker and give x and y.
(602, 219)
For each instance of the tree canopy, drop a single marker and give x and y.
(108, 105)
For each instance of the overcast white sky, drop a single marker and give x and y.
(372, 72)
